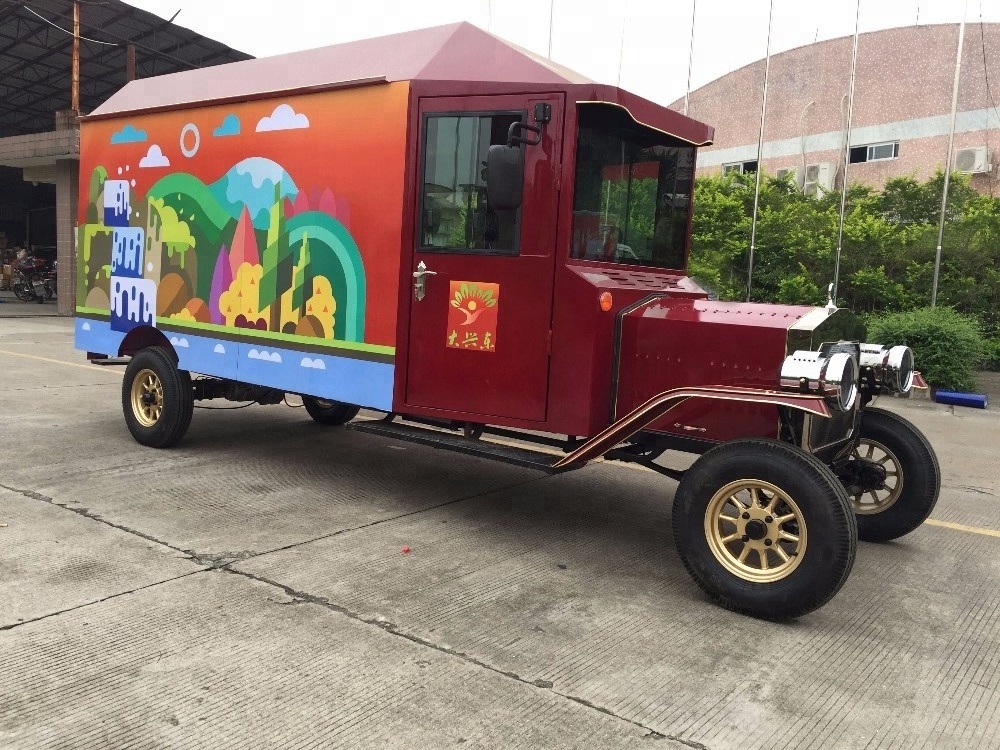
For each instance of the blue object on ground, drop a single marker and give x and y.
(975, 400)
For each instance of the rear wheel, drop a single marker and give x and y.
(329, 412)
(895, 477)
(157, 398)
(22, 288)
(764, 528)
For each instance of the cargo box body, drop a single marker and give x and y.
(261, 238)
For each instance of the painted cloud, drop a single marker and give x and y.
(128, 134)
(182, 342)
(264, 355)
(283, 118)
(230, 126)
(219, 349)
(315, 364)
(154, 158)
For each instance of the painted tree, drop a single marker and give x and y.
(322, 305)
(243, 248)
(166, 228)
(222, 278)
(242, 299)
(277, 261)
(294, 297)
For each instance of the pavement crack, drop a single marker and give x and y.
(220, 559)
(47, 615)
(362, 527)
(302, 597)
(978, 490)
(87, 513)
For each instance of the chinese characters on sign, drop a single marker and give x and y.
(472, 315)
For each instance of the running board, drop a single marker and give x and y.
(525, 457)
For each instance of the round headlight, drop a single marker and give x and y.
(841, 379)
(899, 368)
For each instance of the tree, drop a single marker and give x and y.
(888, 252)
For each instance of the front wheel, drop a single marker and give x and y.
(894, 476)
(764, 528)
(157, 398)
(326, 411)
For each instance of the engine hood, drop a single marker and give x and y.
(675, 343)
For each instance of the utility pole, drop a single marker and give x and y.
(75, 98)
(130, 62)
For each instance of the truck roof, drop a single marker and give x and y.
(454, 52)
(458, 52)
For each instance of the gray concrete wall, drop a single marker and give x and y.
(67, 201)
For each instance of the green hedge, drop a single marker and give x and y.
(991, 359)
(948, 347)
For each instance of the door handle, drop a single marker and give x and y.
(419, 281)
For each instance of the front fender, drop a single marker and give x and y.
(656, 407)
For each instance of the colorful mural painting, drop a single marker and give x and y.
(255, 221)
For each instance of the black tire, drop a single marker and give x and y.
(157, 398)
(913, 480)
(328, 412)
(817, 538)
(22, 288)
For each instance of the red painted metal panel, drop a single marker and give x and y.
(505, 376)
(583, 336)
(681, 343)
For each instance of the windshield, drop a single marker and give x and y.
(632, 199)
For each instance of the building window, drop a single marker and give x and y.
(875, 152)
(740, 167)
(455, 214)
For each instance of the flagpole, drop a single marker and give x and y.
(552, 13)
(847, 158)
(760, 148)
(687, 91)
(947, 161)
(621, 44)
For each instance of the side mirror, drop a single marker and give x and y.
(504, 177)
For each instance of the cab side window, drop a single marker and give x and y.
(455, 215)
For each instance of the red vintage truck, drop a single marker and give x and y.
(479, 244)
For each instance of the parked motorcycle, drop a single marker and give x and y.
(33, 280)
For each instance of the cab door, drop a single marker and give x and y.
(481, 307)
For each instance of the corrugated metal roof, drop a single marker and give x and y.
(35, 56)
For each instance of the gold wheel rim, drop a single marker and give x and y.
(147, 398)
(870, 502)
(755, 530)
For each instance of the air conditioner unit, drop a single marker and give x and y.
(973, 160)
(818, 179)
(791, 173)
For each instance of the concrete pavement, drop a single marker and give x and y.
(248, 589)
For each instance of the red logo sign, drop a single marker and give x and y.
(472, 316)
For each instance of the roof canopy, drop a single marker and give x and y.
(36, 45)
(456, 52)
(450, 54)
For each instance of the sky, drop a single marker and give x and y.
(642, 45)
